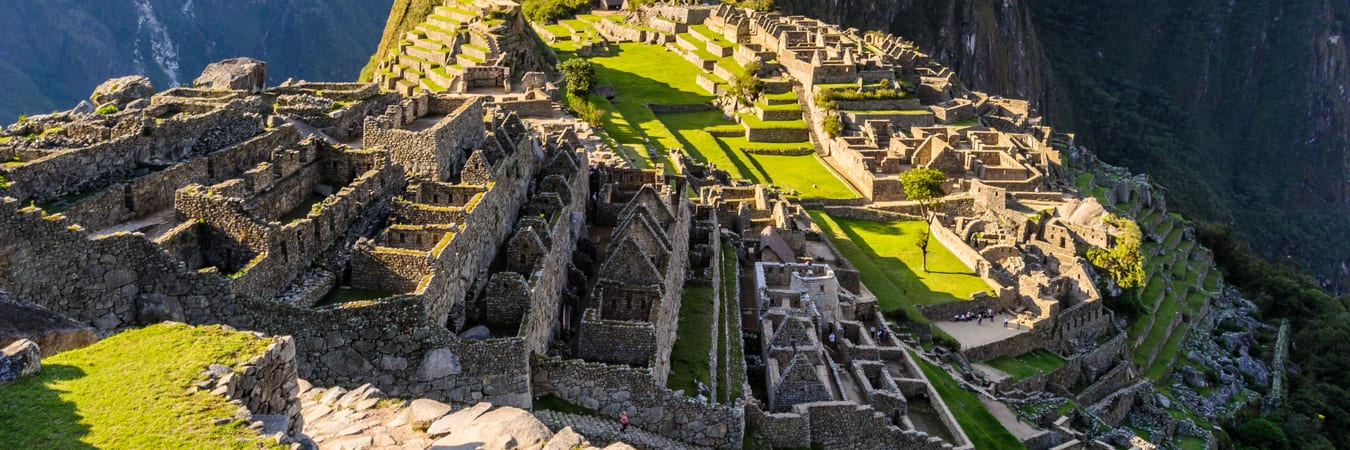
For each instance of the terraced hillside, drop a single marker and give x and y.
(662, 101)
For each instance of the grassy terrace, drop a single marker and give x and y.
(983, 428)
(1027, 365)
(689, 358)
(890, 253)
(130, 391)
(642, 74)
(805, 174)
(731, 371)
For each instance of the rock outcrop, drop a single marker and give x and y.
(122, 91)
(20, 359)
(52, 332)
(236, 74)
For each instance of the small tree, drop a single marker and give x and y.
(924, 185)
(579, 75)
(746, 86)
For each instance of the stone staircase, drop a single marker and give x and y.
(432, 56)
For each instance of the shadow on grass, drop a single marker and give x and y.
(33, 415)
(915, 290)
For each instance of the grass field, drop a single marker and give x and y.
(689, 357)
(891, 253)
(984, 429)
(805, 174)
(642, 73)
(1027, 365)
(130, 391)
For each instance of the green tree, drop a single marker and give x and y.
(1262, 434)
(579, 75)
(1124, 262)
(924, 185)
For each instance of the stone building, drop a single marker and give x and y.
(634, 306)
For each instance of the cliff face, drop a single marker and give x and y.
(1240, 108)
(52, 53)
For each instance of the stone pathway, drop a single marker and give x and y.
(603, 432)
(359, 419)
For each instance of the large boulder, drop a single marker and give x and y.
(52, 332)
(502, 428)
(235, 74)
(122, 91)
(20, 359)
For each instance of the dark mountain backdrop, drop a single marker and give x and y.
(54, 52)
(1240, 108)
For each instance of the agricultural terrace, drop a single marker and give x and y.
(643, 73)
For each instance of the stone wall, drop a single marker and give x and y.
(839, 425)
(266, 384)
(777, 134)
(92, 168)
(613, 389)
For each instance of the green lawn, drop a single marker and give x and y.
(982, 428)
(806, 174)
(689, 357)
(730, 364)
(641, 74)
(130, 391)
(891, 248)
(1027, 365)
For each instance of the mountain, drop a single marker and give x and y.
(53, 52)
(1240, 109)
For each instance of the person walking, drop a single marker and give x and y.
(623, 419)
(1005, 322)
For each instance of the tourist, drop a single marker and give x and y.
(623, 419)
(831, 338)
(895, 417)
(1005, 322)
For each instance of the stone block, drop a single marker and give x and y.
(237, 74)
(52, 332)
(425, 411)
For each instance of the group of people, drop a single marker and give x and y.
(977, 316)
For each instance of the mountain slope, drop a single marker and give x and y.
(53, 53)
(1239, 108)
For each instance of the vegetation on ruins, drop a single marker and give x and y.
(546, 11)
(1123, 262)
(828, 98)
(834, 125)
(131, 390)
(924, 185)
(110, 108)
(746, 86)
(757, 5)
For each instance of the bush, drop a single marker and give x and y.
(545, 11)
(579, 75)
(834, 125)
(1123, 262)
(585, 110)
(757, 5)
(107, 109)
(826, 98)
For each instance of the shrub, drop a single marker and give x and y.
(1123, 262)
(585, 110)
(834, 125)
(757, 5)
(826, 98)
(545, 11)
(106, 109)
(579, 75)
